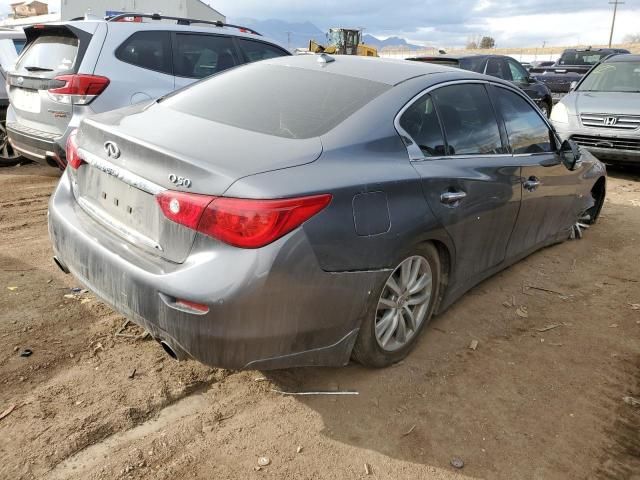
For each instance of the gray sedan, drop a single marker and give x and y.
(306, 210)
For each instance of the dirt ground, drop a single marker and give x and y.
(527, 404)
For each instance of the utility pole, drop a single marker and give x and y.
(615, 4)
(288, 40)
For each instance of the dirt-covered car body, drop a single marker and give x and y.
(338, 137)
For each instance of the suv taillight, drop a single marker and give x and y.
(78, 89)
(73, 157)
(244, 223)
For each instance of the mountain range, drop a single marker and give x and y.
(297, 35)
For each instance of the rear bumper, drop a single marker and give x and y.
(41, 147)
(268, 308)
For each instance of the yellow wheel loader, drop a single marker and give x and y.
(344, 41)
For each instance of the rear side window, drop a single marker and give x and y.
(50, 53)
(496, 68)
(276, 100)
(469, 123)
(198, 56)
(527, 132)
(473, 64)
(19, 44)
(255, 51)
(150, 50)
(421, 122)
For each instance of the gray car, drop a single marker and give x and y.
(72, 70)
(313, 208)
(602, 113)
(11, 44)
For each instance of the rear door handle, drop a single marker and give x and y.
(532, 183)
(452, 198)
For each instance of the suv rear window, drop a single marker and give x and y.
(55, 53)
(198, 56)
(276, 100)
(150, 50)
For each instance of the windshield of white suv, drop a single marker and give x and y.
(613, 77)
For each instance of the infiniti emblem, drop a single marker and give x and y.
(20, 80)
(610, 121)
(112, 150)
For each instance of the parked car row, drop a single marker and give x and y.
(572, 65)
(293, 211)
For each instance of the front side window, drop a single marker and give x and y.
(518, 74)
(255, 51)
(198, 56)
(421, 122)
(613, 77)
(470, 126)
(527, 132)
(150, 50)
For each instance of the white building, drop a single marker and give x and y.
(78, 8)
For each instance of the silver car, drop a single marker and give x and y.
(11, 44)
(310, 208)
(602, 113)
(69, 71)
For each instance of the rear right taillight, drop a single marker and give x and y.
(241, 222)
(78, 89)
(73, 157)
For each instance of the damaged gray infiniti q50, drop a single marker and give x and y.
(306, 210)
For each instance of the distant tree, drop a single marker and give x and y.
(632, 38)
(473, 42)
(487, 42)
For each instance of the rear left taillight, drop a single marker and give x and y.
(78, 89)
(73, 157)
(244, 223)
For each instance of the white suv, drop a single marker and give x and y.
(74, 69)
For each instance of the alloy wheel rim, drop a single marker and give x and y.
(6, 150)
(403, 304)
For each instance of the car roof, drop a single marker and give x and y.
(623, 57)
(90, 25)
(11, 33)
(382, 70)
(460, 56)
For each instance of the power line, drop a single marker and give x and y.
(288, 40)
(615, 4)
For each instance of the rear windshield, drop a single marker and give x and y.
(581, 58)
(277, 100)
(613, 77)
(54, 53)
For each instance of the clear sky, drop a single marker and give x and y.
(513, 23)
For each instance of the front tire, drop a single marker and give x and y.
(546, 109)
(402, 305)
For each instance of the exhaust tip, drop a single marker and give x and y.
(61, 265)
(170, 351)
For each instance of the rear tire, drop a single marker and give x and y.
(395, 315)
(8, 156)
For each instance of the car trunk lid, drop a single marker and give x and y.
(129, 163)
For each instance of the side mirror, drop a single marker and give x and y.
(573, 86)
(570, 154)
(530, 79)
